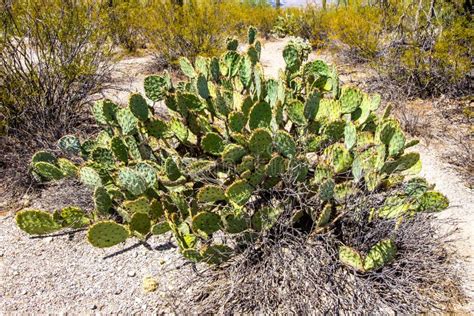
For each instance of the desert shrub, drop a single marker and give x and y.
(201, 27)
(358, 28)
(53, 56)
(245, 162)
(431, 49)
(125, 23)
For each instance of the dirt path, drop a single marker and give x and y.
(65, 274)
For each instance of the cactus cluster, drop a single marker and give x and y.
(232, 157)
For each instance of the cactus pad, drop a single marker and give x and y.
(265, 218)
(68, 168)
(140, 205)
(326, 190)
(139, 107)
(186, 67)
(216, 254)
(234, 224)
(233, 153)
(276, 166)
(48, 171)
(140, 223)
(260, 115)
(131, 181)
(43, 156)
(239, 192)
(74, 217)
(127, 121)
(210, 194)
(351, 258)
(36, 222)
(295, 110)
(432, 201)
(106, 234)
(380, 254)
(212, 143)
(90, 177)
(206, 223)
(104, 111)
(70, 144)
(119, 149)
(172, 171)
(102, 200)
(260, 142)
(104, 157)
(339, 158)
(350, 135)
(237, 121)
(156, 87)
(325, 216)
(285, 144)
(351, 98)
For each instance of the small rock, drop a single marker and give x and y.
(131, 273)
(118, 291)
(1, 254)
(144, 306)
(149, 284)
(93, 307)
(24, 292)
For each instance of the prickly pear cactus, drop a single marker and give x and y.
(241, 156)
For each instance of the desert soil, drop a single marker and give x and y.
(64, 274)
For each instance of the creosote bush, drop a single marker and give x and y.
(245, 162)
(53, 56)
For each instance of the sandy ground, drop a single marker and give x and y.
(65, 275)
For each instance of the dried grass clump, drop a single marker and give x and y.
(290, 272)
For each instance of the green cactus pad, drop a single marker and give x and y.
(232, 44)
(339, 157)
(344, 190)
(104, 157)
(239, 192)
(252, 35)
(36, 222)
(131, 181)
(265, 218)
(432, 201)
(189, 101)
(179, 130)
(237, 121)
(140, 223)
(351, 258)
(74, 217)
(68, 168)
(210, 194)
(322, 172)
(350, 135)
(119, 149)
(329, 109)
(106, 234)
(396, 145)
(133, 149)
(260, 115)
(148, 173)
(257, 177)
(139, 107)
(202, 87)
(48, 171)
(90, 177)
(140, 205)
(102, 200)
(325, 216)
(326, 190)
(403, 163)
(334, 130)
(260, 142)
(295, 111)
(285, 144)
(212, 143)
(206, 223)
(156, 87)
(102, 139)
(160, 228)
(276, 166)
(233, 153)
(43, 156)
(234, 223)
(381, 254)
(245, 71)
(202, 65)
(248, 163)
(292, 58)
(127, 121)
(70, 144)
(216, 254)
(351, 98)
(104, 111)
(171, 168)
(186, 67)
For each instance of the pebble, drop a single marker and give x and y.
(131, 273)
(24, 292)
(117, 292)
(1, 254)
(93, 307)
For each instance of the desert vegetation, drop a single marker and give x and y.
(300, 193)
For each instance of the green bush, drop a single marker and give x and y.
(240, 157)
(53, 56)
